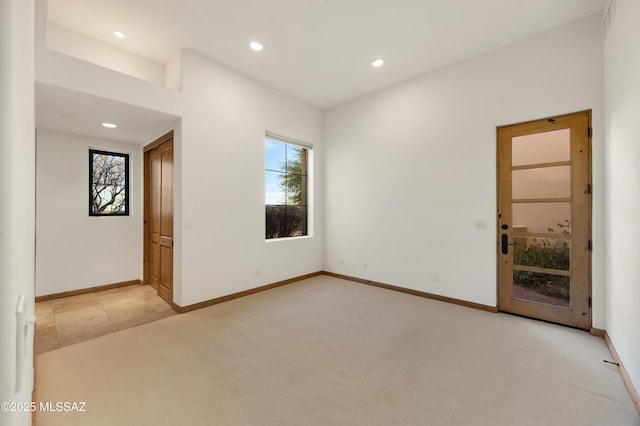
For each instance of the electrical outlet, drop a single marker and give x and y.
(341, 261)
(365, 265)
(435, 278)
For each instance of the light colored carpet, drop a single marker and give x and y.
(330, 352)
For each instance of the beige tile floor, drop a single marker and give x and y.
(63, 322)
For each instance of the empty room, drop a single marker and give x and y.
(320, 212)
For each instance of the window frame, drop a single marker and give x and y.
(306, 177)
(126, 158)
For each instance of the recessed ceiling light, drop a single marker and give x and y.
(377, 62)
(256, 46)
(109, 125)
(118, 34)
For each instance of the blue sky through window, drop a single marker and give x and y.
(275, 165)
(277, 156)
(275, 162)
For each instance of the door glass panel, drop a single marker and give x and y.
(539, 148)
(544, 182)
(542, 288)
(549, 253)
(542, 217)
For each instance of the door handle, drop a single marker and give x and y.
(506, 244)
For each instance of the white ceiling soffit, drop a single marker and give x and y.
(73, 112)
(320, 51)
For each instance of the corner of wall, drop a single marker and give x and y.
(173, 72)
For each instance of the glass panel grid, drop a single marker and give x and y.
(533, 256)
(285, 190)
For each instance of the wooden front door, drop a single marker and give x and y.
(544, 219)
(159, 216)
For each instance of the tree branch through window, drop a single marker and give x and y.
(108, 183)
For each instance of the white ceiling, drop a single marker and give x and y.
(318, 51)
(73, 112)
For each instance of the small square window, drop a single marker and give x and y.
(108, 183)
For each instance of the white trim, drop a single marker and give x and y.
(299, 237)
(285, 139)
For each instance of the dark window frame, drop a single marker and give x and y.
(288, 209)
(126, 203)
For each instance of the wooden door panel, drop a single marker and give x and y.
(155, 265)
(166, 208)
(544, 229)
(156, 194)
(165, 290)
(160, 205)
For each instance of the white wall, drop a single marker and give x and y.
(410, 171)
(224, 122)
(173, 73)
(75, 250)
(80, 46)
(17, 209)
(622, 112)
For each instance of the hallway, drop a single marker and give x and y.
(63, 322)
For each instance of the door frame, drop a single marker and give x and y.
(146, 277)
(589, 212)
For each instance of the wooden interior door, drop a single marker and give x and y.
(544, 219)
(159, 216)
